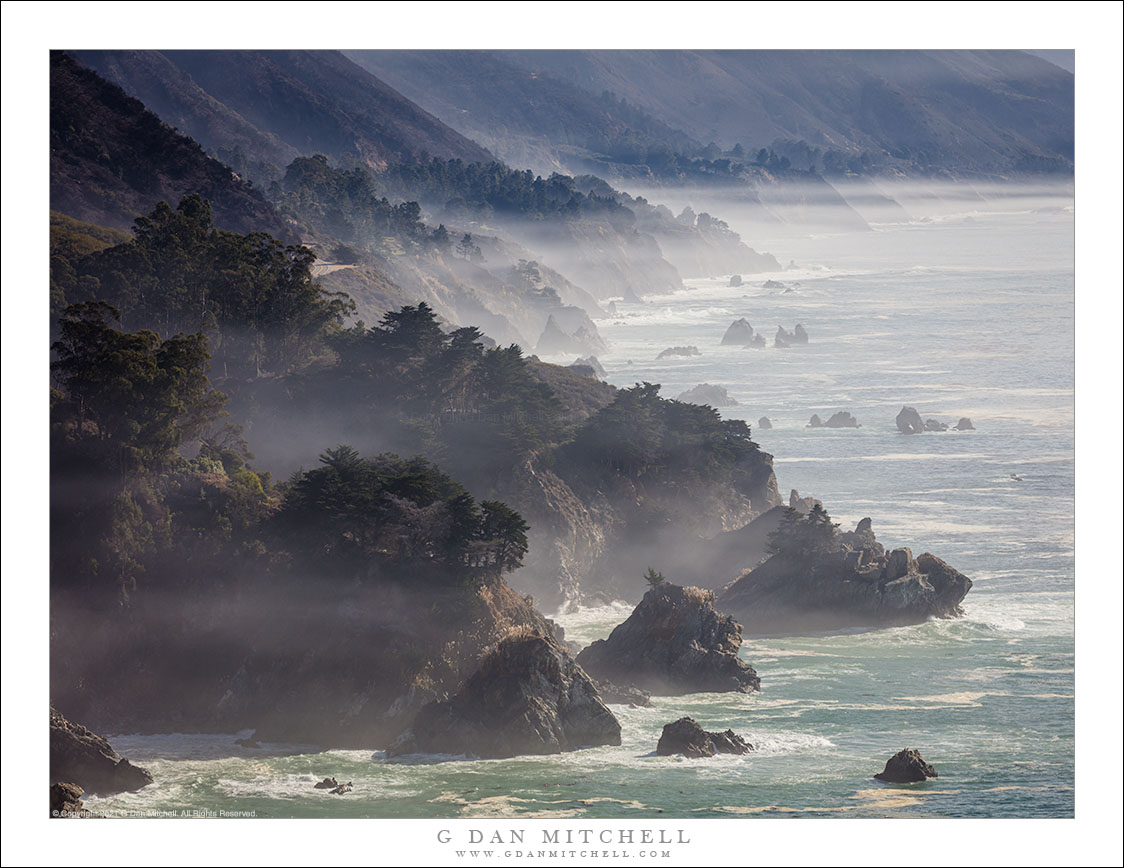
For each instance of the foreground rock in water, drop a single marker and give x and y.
(66, 798)
(965, 424)
(854, 583)
(705, 393)
(527, 697)
(906, 767)
(740, 333)
(86, 759)
(674, 643)
(689, 739)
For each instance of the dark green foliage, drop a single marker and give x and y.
(396, 519)
(654, 578)
(804, 539)
(253, 294)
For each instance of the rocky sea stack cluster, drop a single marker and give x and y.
(741, 334)
(675, 642)
(685, 737)
(527, 697)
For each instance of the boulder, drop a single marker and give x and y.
(935, 425)
(740, 333)
(763, 424)
(799, 335)
(630, 694)
(326, 784)
(528, 696)
(342, 789)
(909, 421)
(705, 393)
(899, 563)
(815, 421)
(66, 799)
(675, 642)
(687, 738)
(735, 280)
(842, 419)
(906, 767)
(675, 352)
(86, 759)
(965, 424)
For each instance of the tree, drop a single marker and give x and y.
(653, 578)
(468, 249)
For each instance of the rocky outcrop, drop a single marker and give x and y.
(86, 759)
(815, 421)
(773, 284)
(909, 421)
(591, 363)
(855, 584)
(66, 800)
(326, 784)
(906, 767)
(528, 696)
(842, 419)
(705, 393)
(675, 642)
(802, 504)
(614, 694)
(678, 352)
(784, 338)
(740, 333)
(764, 424)
(687, 738)
(965, 424)
(735, 280)
(799, 334)
(555, 339)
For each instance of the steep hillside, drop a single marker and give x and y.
(298, 101)
(113, 160)
(960, 112)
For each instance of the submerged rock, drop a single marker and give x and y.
(86, 759)
(764, 424)
(906, 767)
(853, 584)
(527, 697)
(705, 393)
(965, 424)
(674, 642)
(673, 352)
(689, 739)
(740, 333)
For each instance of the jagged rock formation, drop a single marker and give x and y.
(674, 642)
(842, 419)
(784, 338)
(686, 737)
(854, 584)
(527, 697)
(86, 759)
(676, 352)
(740, 333)
(906, 767)
(802, 504)
(554, 340)
(965, 424)
(66, 800)
(799, 335)
(705, 393)
(764, 424)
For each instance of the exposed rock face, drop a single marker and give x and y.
(674, 643)
(842, 419)
(86, 759)
(909, 421)
(66, 798)
(689, 739)
(705, 393)
(855, 585)
(735, 280)
(815, 421)
(799, 335)
(555, 339)
(965, 424)
(906, 767)
(764, 424)
(802, 504)
(675, 352)
(527, 697)
(740, 333)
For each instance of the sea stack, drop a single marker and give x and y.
(906, 767)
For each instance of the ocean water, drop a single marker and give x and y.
(970, 315)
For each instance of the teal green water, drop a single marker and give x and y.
(971, 315)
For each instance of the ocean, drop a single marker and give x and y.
(968, 314)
